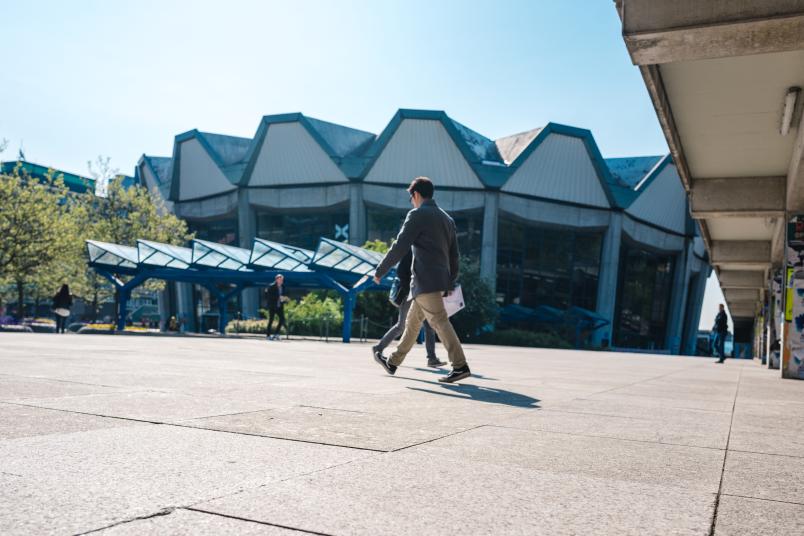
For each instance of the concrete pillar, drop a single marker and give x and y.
(357, 215)
(246, 231)
(694, 311)
(608, 278)
(678, 298)
(488, 250)
(184, 297)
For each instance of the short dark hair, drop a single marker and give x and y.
(423, 185)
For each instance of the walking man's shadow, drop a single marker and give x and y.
(481, 394)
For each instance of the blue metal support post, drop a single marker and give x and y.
(348, 310)
(123, 296)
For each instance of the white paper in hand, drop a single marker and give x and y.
(454, 302)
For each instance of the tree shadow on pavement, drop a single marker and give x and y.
(480, 394)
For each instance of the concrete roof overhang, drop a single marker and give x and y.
(718, 73)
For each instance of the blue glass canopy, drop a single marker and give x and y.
(333, 265)
(334, 255)
(166, 255)
(267, 254)
(112, 255)
(214, 255)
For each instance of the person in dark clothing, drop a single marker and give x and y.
(62, 302)
(276, 306)
(721, 329)
(431, 233)
(403, 273)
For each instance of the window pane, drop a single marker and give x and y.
(646, 280)
(303, 229)
(539, 265)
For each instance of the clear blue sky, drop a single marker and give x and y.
(87, 78)
(84, 78)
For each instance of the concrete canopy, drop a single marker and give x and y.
(718, 74)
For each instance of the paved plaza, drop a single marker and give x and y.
(178, 435)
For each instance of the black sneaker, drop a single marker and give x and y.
(383, 361)
(457, 374)
(434, 362)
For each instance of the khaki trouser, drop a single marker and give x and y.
(429, 307)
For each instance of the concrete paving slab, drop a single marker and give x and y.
(613, 459)
(708, 430)
(740, 516)
(642, 408)
(761, 476)
(680, 390)
(73, 483)
(183, 522)
(775, 409)
(24, 421)
(153, 406)
(666, 402)
(16, 388)
(348, 428)
(768, 434)
(407, 493)
(671, 403)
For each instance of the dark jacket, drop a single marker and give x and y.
(404, 274)
(274, 296)
(62, 300)
(430, 233)
(721, 322)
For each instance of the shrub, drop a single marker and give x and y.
(312, 315)
(481, 308)
(247, 326)
(518, 337)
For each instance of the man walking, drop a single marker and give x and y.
(404, 275)
(721, 329)
(430, 232)
(276, 306)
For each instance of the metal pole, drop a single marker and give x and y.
(123, 294)
(348, 309)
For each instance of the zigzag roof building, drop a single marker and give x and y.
(549, 220)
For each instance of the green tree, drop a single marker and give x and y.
(481, 307)
(122, 217)
(36, 228)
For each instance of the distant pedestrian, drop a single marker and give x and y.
(430, 232)
(276, 306)
(400, 299)
(721, 329)
(62, 302)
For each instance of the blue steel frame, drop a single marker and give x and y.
(347, 284)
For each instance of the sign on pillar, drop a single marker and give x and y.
(777, 320)
(793, 350)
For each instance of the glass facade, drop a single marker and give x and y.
(384, 223)
(469, 227)
(643, 298)
(303, 229)
(222, 231)
(539, 265)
